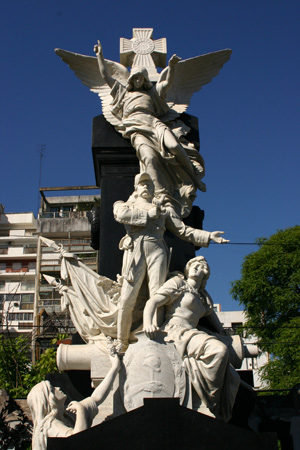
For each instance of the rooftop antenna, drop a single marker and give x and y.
(42, 148)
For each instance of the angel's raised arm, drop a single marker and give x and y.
(102, 65)
(167, 83)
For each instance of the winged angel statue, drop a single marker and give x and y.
(147, 114)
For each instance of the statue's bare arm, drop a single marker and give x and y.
(81, 416)
(149, 312)
(98, 396)
(100, 393)
(215, 323)
(102, 65)
(165, 85)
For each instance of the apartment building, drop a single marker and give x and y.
(27, 302)
(63, 219)
(18, 255)
(234, 323)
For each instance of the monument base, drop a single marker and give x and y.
(164, 424)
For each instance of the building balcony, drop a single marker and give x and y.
(49, 224)
(25, 326)
(63, 215)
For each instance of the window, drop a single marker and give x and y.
(67, 208)
(31, 266)
(3, 249)
(27, 298)
(27, 285)
(10, 298)
(16, 266)
(2, 285)
(29, 249)
(20, 316)
(26, 301)
(2, 266)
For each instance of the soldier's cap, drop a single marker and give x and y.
(140, 177)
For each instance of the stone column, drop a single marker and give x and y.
(115, 165)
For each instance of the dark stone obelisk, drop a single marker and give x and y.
(115, 165)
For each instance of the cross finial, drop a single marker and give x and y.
(142, 50)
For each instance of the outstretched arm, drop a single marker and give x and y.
(197, 237)
(100, 393)
(86, 409)
(102, 65)
(81, 417)
(171, 73)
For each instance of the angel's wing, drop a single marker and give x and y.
(190, 75)
(87, 70)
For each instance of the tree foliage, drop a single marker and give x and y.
(17, 374)
(14, 364)
(269, 290)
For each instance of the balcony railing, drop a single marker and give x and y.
(63, 215)
(54, 264)
(26, 306)
(25, 325)
(29, 250)
(71, 245)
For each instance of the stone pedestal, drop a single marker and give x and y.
(163, 424)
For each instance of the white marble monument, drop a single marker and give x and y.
(167, 353)
(147, 113)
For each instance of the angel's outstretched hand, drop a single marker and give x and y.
(174, 60)
(98, 48)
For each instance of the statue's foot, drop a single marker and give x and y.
(203, 409)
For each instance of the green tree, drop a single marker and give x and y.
(17, 374)
(269, 290)
(14, 364)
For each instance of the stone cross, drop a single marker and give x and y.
(142, 50)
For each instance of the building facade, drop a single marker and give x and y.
(234, 322)
(18, 255)
(63, 219)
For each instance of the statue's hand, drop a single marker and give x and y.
(153, 213)
(151, 331)
(174, 60)
(115, 362)
(75, 407)
(215, 237)
(98, 48)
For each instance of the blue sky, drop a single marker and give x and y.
(248, 115)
